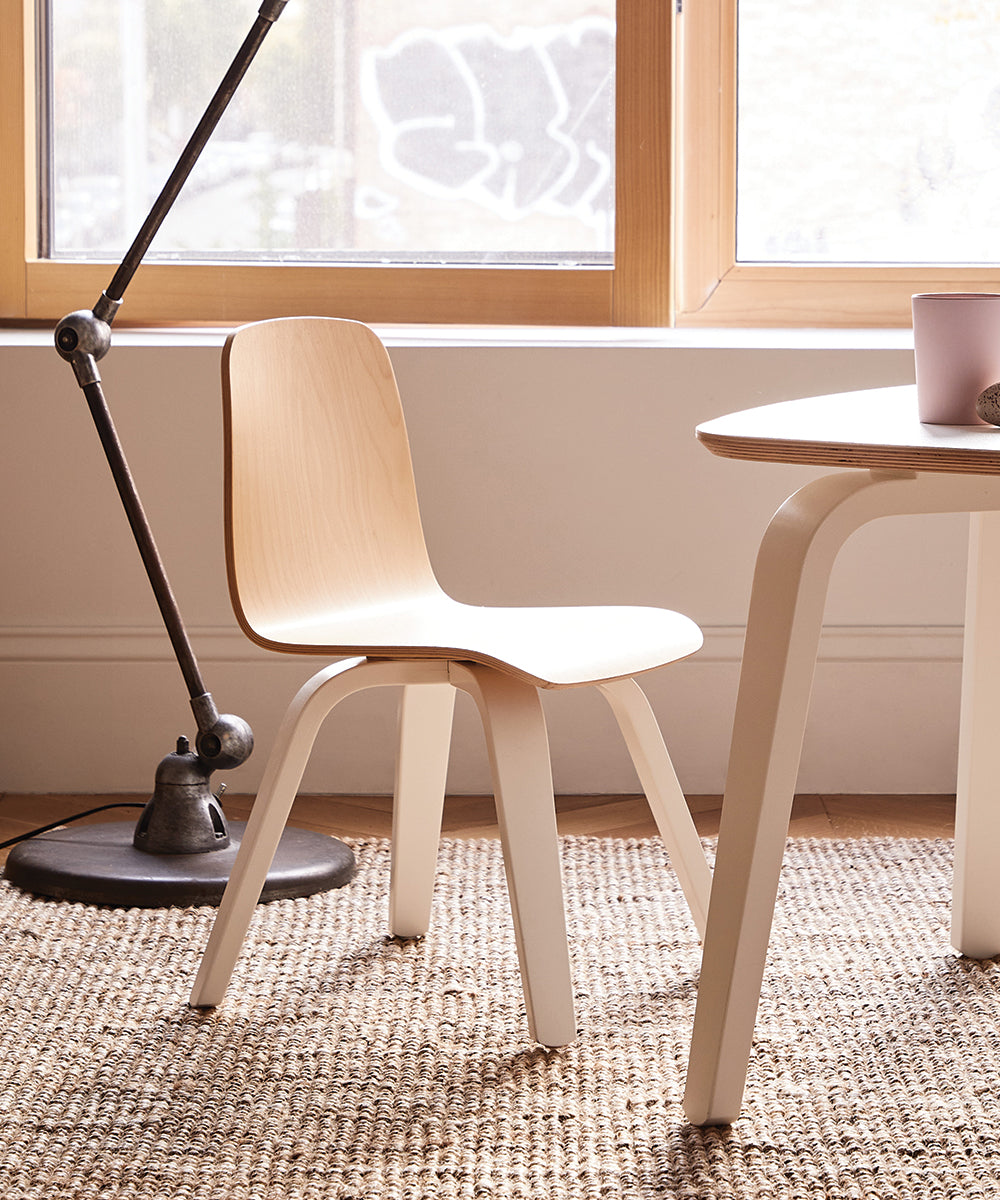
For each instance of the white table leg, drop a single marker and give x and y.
(783, 629)
(975, 928)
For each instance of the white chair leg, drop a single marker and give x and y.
(659, 781)
(786, 610)
(425, 717)
(519, 756)
(975, 923)
(281, 779)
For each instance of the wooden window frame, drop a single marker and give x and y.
(713, 289)
(636, 291)
(699, 284)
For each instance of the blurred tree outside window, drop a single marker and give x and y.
(442, 132)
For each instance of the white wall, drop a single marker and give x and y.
(564, 473)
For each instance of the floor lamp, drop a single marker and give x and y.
(182, 848)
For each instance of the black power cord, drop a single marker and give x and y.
(23, 837)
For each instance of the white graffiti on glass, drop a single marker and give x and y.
(518, 124)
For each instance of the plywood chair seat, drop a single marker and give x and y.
(326, 555)
(556, 647)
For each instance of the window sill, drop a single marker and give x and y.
(555, 337)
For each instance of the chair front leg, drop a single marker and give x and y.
(282, 775)
(425, 718)
(522, 774)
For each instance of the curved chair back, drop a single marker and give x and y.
(321, 507)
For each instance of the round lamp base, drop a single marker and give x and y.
(97, 864)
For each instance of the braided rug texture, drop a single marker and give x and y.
(347, 1066)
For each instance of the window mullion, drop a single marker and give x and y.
(643, 140)
(17, 179)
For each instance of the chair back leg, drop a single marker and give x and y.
(425, 719)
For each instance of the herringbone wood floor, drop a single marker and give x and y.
(474, 816)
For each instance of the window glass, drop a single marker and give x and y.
(868, 133)
(443, 131)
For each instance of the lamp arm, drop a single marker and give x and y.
(82, 338)
(269, 12)
(143, 535)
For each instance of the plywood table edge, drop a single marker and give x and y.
(852, 456)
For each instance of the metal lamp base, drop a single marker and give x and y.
(98, 864)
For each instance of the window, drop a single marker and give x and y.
(763, 164)
(882, 148)
(402, 133)
(564, 223)
(835, 158)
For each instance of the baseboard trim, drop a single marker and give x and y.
(218, 644)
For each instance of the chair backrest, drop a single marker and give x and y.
(321, 507)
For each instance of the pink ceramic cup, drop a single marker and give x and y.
(956, 343)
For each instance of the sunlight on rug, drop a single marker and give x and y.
(344, 1065)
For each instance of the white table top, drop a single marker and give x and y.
(873, 428)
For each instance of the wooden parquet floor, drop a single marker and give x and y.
(475, 816)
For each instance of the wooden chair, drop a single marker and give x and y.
(326, 555)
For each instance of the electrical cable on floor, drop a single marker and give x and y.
(23, 837)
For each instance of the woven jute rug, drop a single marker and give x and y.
(347, 1066)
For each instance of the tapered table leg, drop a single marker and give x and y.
(975, 926)
(783, 629)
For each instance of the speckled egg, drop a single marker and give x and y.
(988, 404)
